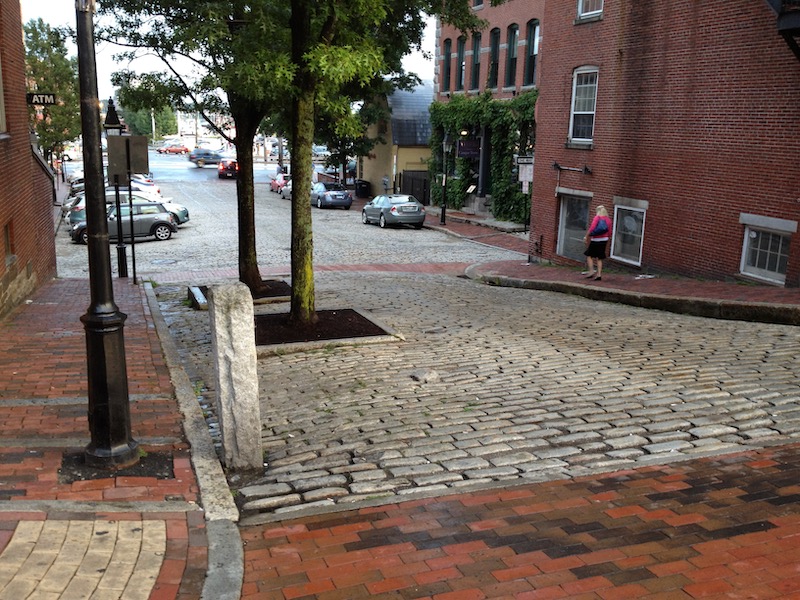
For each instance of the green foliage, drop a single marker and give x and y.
(511, 125)
(48, 69)
(140, 122)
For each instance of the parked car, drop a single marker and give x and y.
(150, 219)
(394, 209)
(203, 156)
(280, 180)
(173, 148)
(286, 190)
(320, 152)
(227, 168)
(329, 194)
(77, 210)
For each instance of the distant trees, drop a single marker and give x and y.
(50, 70)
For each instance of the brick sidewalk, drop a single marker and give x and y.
(725, 527)
(59, 533)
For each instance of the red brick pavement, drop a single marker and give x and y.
(726, 527)
(43, 415)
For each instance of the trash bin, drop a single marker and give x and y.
(363, 188)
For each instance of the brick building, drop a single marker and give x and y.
(683, 119)
(26, 195)
(503, 58)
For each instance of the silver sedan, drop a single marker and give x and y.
(394, 209)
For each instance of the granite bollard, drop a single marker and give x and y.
(234, 354)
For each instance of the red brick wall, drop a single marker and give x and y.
(513, 11)
(698, 113)
(26, 194)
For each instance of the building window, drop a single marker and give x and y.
(584, 97)
(494, 56)
(477, 3)
(448, 49)
(588, 8)
(765, 254)
(476, 61)
(461, 67)
(628, 234)
(531, 52)
(511, 55)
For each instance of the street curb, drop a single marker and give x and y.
(760, 312)
(225, 572)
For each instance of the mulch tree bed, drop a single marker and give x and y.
(151, 464)
(331, 325)
(272, 288)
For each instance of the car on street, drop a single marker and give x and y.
(286, 190)
(280, 180)
(203, 156)
(320, 152)
(227, 168)
(77, 210)
(150, 219)
(325, 194)
(172, 148)
(394, 209)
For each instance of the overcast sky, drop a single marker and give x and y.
(62, 12)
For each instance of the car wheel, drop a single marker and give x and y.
(162, 232)
(417, 225)
(382, 221)
(319, 202)
(200, 163)
(364, 218)
(84, 237)
(347, 207)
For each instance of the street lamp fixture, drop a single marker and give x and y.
(111, 445)
(114, 127)
(447, 146)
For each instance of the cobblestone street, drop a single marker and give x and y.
(497, 385)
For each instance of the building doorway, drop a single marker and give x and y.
(573, 221)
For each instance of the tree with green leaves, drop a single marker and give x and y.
(141, 121)
(298, 58)
(49, 70)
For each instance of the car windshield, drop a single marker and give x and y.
(337, 187)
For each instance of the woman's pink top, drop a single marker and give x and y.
(605, 236)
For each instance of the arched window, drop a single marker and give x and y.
(460, 66)
(448, 50)
(511, 55)
(476, 62)
(531, 52)
(494, 56)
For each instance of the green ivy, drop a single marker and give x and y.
(513, 131)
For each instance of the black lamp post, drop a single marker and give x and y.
(447, 145)
(113, 127)
(111, 445)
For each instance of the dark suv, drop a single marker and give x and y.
(203, 156)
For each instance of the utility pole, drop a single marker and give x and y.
(111, 445)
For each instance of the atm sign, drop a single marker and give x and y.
(42, 99)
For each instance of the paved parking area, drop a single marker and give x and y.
(497, 387)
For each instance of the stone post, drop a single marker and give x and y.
(233, 346)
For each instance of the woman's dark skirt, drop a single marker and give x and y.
(596, 250)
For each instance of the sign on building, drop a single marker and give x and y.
(42, 99)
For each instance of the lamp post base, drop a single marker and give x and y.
(114, 458)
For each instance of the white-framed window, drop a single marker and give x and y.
(511, 54)
(589, 8)
(531, 52)
(461, 65)
(584, 100)
(628, 234)
(765, 249)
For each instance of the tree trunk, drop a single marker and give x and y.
(246, 120)
(303, 310)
